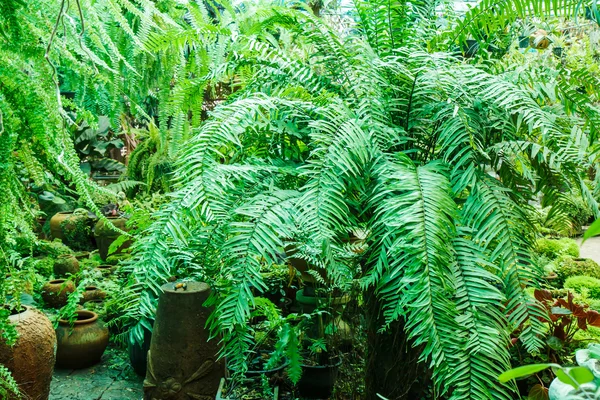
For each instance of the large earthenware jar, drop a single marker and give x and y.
(84, 344)
(66, 265)
(55, 222)
(56, 292)
(31, 359)
(182, 361)
(105, 235)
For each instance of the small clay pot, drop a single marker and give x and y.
(82, 255)
(92, 293)
(55, 293)
(31, 359)
(83, 345)
(55, 221)
(65, 265)
(106, 269)
(105, 235)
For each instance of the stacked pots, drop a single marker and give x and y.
(83, 344)
(31, 359)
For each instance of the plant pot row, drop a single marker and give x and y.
(103, 234)
(39, 348)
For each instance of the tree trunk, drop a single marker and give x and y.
(392, 370)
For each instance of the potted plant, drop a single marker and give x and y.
(320, 369)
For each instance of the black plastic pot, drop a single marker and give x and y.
(267, 372)
(138, 354)
(470, 48)
(523, 42)
(317, 381)
(557, 51)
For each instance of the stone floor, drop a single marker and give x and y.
(111, 379)
(590, 249)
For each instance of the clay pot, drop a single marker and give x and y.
(83, 345)
(539, 40)
(182, 361)
(82, 255)
(105, 235)
(55, 293)
(92, 293)
(106, 269)
(66, 265)
(55, 221)
(31, 359)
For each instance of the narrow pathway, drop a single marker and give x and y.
(590, 249)
(111, 379)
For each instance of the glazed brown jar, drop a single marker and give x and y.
(56, 292)
(31, 359)
(83, 345)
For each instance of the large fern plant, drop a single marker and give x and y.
(438, 159)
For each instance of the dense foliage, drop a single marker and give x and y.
(271, 128)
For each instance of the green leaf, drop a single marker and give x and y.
(593, 230)
(524, 371)
(574, 376)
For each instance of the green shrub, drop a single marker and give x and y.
(579, 283)
(569, 247)
(567, 267)
(554, 248)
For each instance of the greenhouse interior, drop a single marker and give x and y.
(299, 199)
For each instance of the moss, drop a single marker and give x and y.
(554, 248)
(567, 267)
(583, 283)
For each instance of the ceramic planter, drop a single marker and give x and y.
(182, 361)
(31, 359)
(55, 222)
(317, 381)
(92, 293)
(56, 292)
(105, 235)
(83, 345)
(66, 265)
(106, 270)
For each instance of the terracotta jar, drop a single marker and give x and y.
(31, 359)
(55, 221)
(55, 293)
(182, 361)
(83, 345)
(105, 235)
(65, 265)
(106, 269)
(92, 293)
